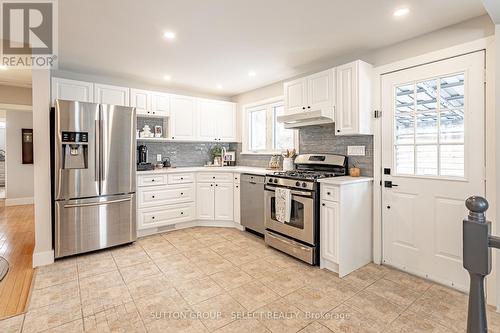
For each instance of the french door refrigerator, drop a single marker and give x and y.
(94, 166)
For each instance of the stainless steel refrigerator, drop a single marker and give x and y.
(94, 166)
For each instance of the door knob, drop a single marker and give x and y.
(389, 184)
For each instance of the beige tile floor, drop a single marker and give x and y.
(224, 280)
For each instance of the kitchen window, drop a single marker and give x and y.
(262, 133)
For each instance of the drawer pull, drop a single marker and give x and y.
(216, 185)
(213, 177)
(236, 186)
(182, 193)
(182, 178)
(153, 196)
(182, 213)
(152, 180)
(152, 217)
(328, 193)
(323, 204)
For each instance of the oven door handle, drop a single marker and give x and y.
(293, 192)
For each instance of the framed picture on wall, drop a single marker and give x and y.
(158, 132)
(27, 145)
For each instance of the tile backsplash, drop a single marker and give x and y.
(313, 139)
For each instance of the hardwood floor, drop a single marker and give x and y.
(17, 240)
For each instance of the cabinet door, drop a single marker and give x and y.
(226, 122)
(205, 201)
(224, 201)
(160, 104)
(72, 90)
(237, 212)
(141, 100)
(346, 118)
(182, 118)
(329, 224)
(207, 120)
(295, 96)
(321, 91)
(114, 95)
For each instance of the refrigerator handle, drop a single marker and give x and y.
(90, 204)
(97, 150)
(101, 148)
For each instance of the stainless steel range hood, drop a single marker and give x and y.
(308, 118)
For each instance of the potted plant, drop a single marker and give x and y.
(216, 153)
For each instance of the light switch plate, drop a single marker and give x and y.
(356, 150)
(158, 157)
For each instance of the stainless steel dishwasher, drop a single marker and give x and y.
(252, 202)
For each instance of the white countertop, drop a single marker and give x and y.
(237, 169)
(344, 180)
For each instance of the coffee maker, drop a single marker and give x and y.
(142, 159)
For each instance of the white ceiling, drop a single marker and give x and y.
(220, 41)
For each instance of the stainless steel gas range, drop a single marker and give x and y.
(300, 236)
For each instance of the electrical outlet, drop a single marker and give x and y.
(158, 157)
(356, 150)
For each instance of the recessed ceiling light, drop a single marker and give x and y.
(3, 67)
(219, 86)
(401, 12)
(167, 77)
(169, 35)
(251, 73)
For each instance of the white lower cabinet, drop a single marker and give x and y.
(161, 216)
(236, 203)
(346, 226)
(329, 231)
(165, 199)
(223, 206)
(214, 200)
(205, 199)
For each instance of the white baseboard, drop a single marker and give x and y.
(184, 225)
(19, 201)
(43, 258)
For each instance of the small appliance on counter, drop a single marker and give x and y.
(230, 158)
(166, 162)
(142, 159)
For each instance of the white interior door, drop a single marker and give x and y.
(433, 153)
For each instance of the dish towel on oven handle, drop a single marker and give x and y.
(283, 204)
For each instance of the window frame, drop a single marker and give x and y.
(268, 105)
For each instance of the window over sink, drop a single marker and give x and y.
(262, 133)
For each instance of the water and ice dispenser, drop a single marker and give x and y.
(75, 150)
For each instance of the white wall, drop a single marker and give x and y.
(457, 34)
(19, 176)
(15, 95)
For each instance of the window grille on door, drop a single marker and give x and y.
(429, 133)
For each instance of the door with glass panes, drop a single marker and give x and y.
(432, 160)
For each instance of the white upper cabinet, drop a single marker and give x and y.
(353, 111)
(72, 90)
(216, 121)
(141, 100)
(295, 96)
(183, 118)
(160, 104)
(321, 90)
(114, 95)
(311, 93)
(226, 122)
(207, 120)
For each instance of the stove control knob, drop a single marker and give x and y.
(275, 181)
(304, 185)
(297, 184)
(270, 180)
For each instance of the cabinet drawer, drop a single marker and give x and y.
(330, 192)
(164, 195)
(221, 177)
(161, 216)
(147, 180)
(180, 178)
